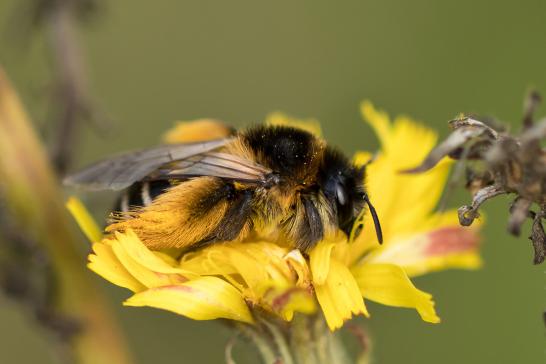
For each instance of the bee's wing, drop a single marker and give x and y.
(123, 170)
(216, 164)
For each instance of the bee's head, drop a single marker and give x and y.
(343, 186)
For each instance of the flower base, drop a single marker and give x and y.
(305, 340)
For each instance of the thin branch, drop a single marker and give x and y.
(73, 101)
(538, 237)
(530, 105)
(467, 213)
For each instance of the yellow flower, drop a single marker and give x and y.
(237, 280)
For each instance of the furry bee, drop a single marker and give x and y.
(277, 183)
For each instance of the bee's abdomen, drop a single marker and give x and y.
(141, 194)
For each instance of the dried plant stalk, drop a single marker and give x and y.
(31, 199)
(499, 162)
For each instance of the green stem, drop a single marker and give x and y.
(302, 342)
(330, 349)
(280, 342)
(266, 350)
(305, 340)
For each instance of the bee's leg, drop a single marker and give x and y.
(305, 227)
(200, 210)
(235, 223)
(236, 217)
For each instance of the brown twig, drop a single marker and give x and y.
(529, 107)
(71, 83)
(72, 95)
(510, 164)
(71, 101)
(538, 237)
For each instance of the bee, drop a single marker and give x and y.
(277, 183)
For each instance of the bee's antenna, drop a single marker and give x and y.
(375, 218)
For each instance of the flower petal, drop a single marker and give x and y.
(446, 246)
(255, 263)
(145, 257)
(105, 263)
(378, 120)
(298, 263)
(389, 284)
(399, 151)
(143, 274)
(404, 203)
(319, 259)
(196, 131)
(204, 298)
(339, 296)
(362, 158)
(310, 125)
(286, 302)
(84, 219)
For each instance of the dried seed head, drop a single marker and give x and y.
(514, 164)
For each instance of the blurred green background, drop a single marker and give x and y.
(152, 63)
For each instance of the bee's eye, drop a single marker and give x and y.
(341, 195)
